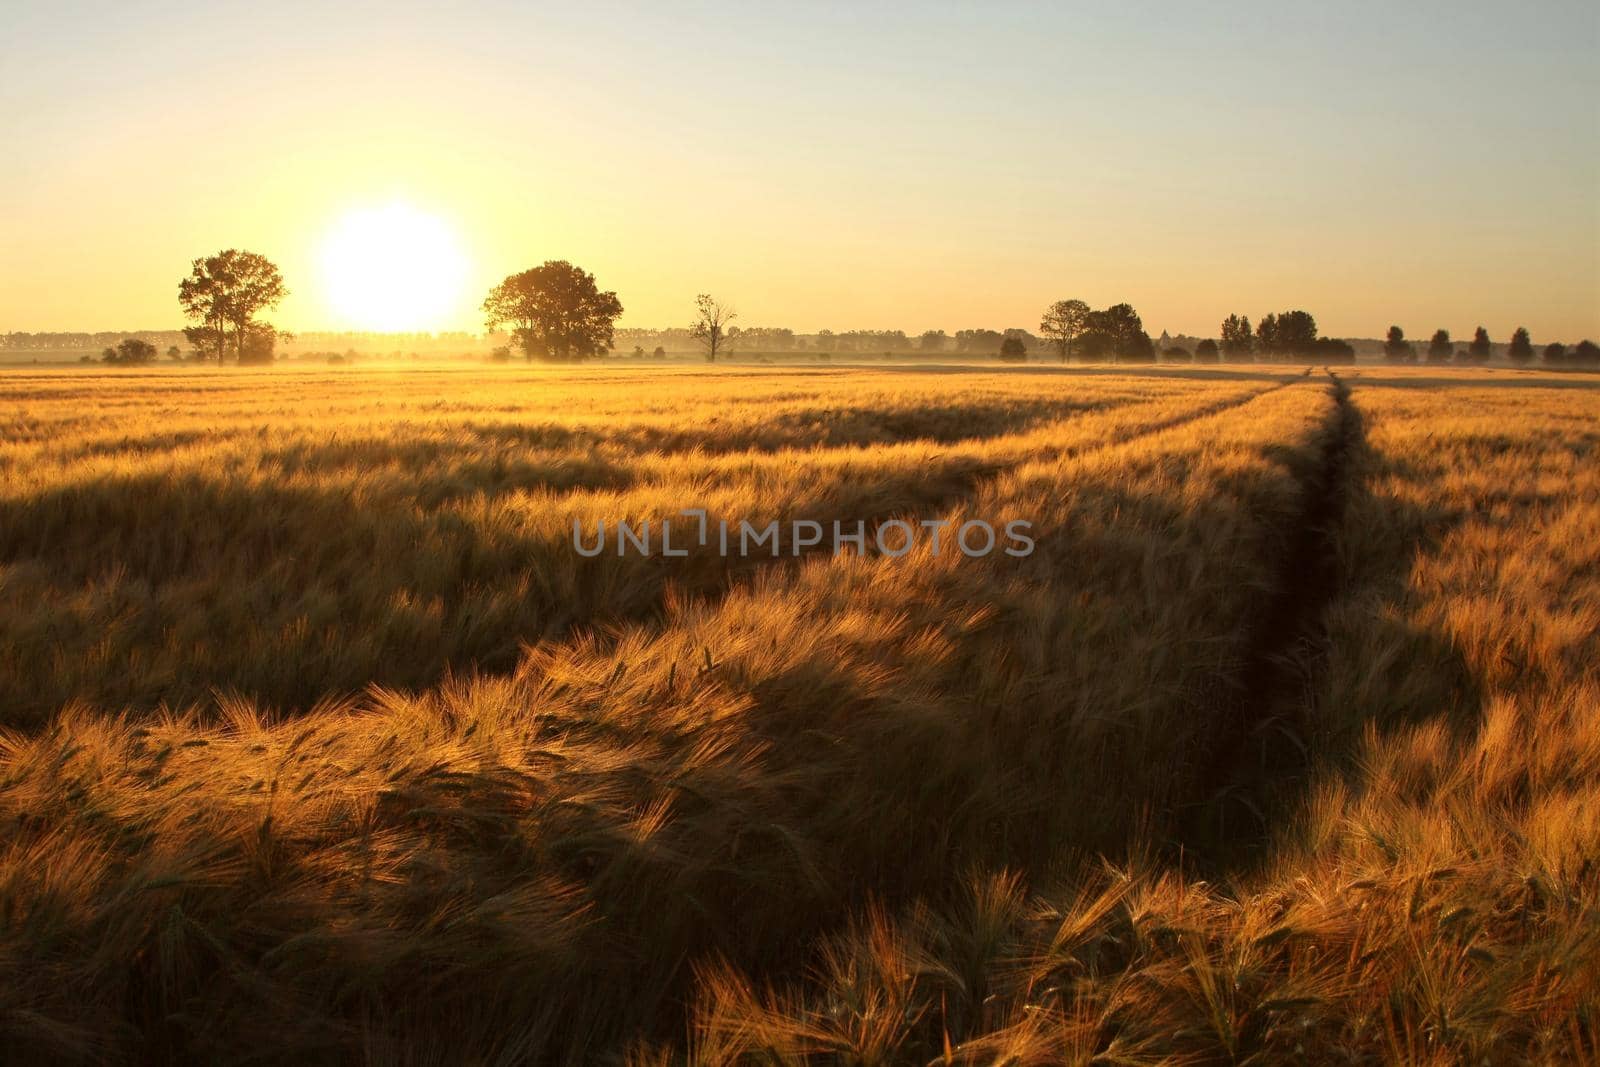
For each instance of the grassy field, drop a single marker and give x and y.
(322, 742)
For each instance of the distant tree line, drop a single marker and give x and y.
(1519, 350)
(558, 312)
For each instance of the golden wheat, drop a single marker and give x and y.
(325, 741)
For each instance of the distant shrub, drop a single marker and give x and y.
(1206, 351)
(1012, 350)
(259, 346)
(1177, 354)
(131, 352)
(500, 354)
(1332, 350)
(335, 357)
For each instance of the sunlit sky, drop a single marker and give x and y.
(841, 165)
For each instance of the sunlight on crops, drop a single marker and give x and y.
(318, 731)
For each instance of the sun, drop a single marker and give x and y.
(393, 268)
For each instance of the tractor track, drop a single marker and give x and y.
(1254, 755)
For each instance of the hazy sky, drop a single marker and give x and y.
(848, 165)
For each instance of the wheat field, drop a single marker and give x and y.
(320, 742)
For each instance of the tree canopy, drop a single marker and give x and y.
(1440, 348)
(1396, 349)
(1291, 333)
(1237, 338)
(224, 293)
(1521, 348)
(1063, 323)
(1116, 333)
(131, 352)
(555, 311)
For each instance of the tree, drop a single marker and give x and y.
(555, 311)
(1012, 350)
(1440, 348)
(1116, 333)
(1176, 354)
(1063, 323)
(1478, 351)
(932, 341)
(226, 292)
(1521, 348)
(174, 353)
(1555, 354)
(131, 352)
(1586, 354)
(1237, 339)
(1292, 333)
(1331, 350)
(1206, 351)
(710, 326)
(1396, 349)
(978, 340)
(259, 345)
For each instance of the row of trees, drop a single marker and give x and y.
(1396, 349)
(558, 312)
(1116, 333)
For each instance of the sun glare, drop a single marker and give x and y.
(393, 268)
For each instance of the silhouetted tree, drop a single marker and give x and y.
(710, 326)
(1176, 354)
(1116, 333)
(259, 346)
(1396, 349)
(174, 353)
(978, 340)
(226, 292)
(1029, 341)
(1062, 324)
(659, 353)
(130, 352)
(1237, 339)
(1293, 333)
(1478, 351)
(1440, 349)
(1555, 353)
(1012, 350)
(1586, 354)
(555, 311)
(1521, 347)
(1206, 351)
(932, 341)
(1331, 350)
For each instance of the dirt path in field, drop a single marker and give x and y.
(1257, 754)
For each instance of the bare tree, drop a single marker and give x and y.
(710, 326)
